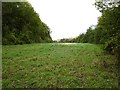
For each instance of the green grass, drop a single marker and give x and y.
(57, 66)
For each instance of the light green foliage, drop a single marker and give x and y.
(58, 66)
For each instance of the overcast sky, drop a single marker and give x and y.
(66, 18)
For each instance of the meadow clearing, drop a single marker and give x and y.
(58, 65)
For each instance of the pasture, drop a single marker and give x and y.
(58, 65)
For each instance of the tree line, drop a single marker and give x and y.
(107, 31)
(22, 25)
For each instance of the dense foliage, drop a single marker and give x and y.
(22, 25)
(107, 31)
(67, 40)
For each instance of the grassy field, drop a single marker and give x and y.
(57, 66)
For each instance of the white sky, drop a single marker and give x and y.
(66, 18)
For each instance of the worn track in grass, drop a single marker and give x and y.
(57, 66)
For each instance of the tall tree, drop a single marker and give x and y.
(109, 24)
(21, 24)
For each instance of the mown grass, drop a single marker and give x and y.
(58, 66)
